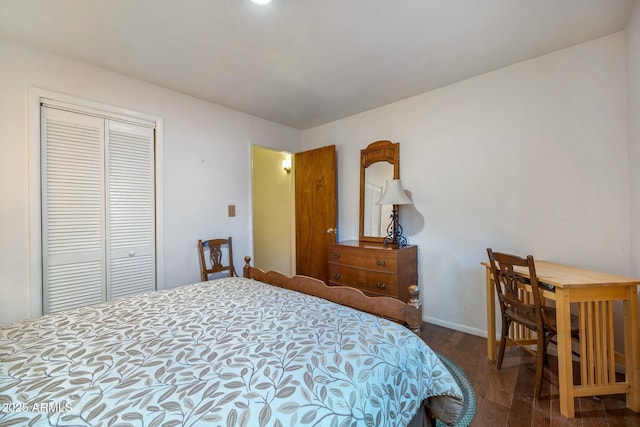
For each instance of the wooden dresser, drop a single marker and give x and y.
(373, 268)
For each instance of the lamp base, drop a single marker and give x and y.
(394, 232)
(399, 242)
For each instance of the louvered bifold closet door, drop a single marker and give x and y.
(73, 234)
(130, 209)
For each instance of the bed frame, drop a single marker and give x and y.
(409, 313)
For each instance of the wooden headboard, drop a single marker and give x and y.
(409, 313)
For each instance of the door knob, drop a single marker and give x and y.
(331, 231)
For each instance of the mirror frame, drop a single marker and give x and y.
(378, 151)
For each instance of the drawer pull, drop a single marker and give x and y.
(381, 285)
(380, 262)
(337, 275)
(336, 255)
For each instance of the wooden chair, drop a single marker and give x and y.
(215, 257)
(516, 306)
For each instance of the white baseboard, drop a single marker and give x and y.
(455, 326)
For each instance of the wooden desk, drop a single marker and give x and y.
(592, 295)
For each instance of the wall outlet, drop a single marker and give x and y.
(232, 210)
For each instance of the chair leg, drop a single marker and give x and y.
(541, 357)
(503, 341)
(547, 340)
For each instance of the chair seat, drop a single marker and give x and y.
(528, 319)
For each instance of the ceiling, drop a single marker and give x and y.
(303, 63)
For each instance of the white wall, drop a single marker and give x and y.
(207, 164)
(530, 159)
(633, 103)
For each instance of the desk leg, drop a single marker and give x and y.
(632, 349)
(491, 317)
(565, 368)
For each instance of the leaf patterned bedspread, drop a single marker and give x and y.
(229, 352)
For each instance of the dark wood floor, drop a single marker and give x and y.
(505, 397)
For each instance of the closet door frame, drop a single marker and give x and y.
(36, 97)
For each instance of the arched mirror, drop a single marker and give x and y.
(379, 162)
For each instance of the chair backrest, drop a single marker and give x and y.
(211, 250)
(508, 284)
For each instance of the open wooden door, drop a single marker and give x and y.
(316, 209)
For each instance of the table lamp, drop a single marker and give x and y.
(395, 195)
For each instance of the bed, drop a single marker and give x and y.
(239, 351)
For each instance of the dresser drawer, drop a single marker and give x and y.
(365, 280)
(371, 260)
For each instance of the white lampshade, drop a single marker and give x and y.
(394, 194)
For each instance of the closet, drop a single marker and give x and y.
(98, 207)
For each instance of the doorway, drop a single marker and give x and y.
(294, 210)
(273, 203)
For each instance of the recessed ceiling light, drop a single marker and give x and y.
(261, 1)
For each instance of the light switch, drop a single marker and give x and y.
(232, 210)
